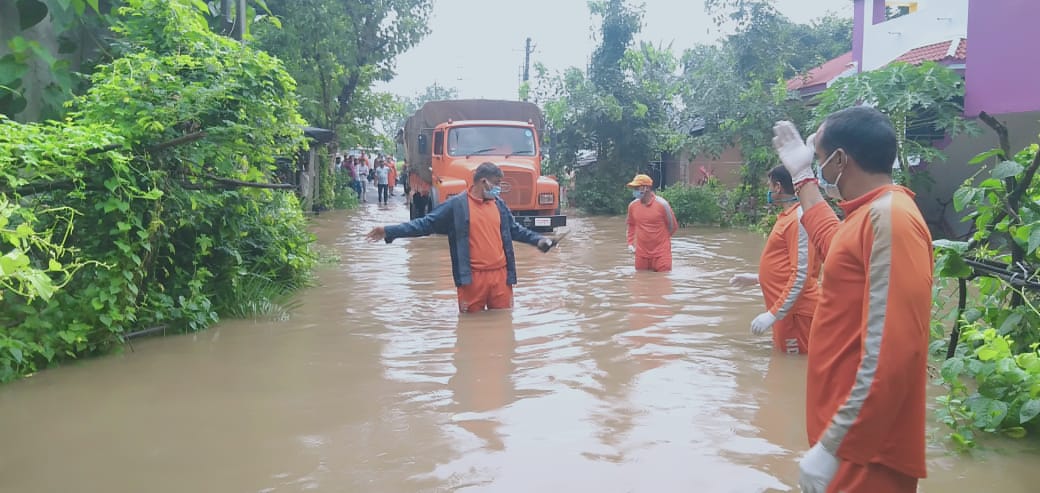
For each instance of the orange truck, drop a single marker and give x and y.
(445, 141)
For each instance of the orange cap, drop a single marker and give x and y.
(641, 181)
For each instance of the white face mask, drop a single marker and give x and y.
(831, 189)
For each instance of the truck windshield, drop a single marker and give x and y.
(490, 140)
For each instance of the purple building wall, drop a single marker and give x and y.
(857, 33)
(1003, 65)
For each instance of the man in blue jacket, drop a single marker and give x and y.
(481, 231)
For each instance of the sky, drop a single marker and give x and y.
(477, 46)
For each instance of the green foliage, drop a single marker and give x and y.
(156, 159)
(995, 378)
(924, 102)
(1005, 391)
(32, 71)
(695, 205)
(337, 50)
(737, 89)
(621, 110)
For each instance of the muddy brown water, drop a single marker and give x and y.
(600, 380)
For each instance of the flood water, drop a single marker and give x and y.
(600, 380)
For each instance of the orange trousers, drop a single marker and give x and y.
(487, 291)
(791, 335)
(657, 264)
(870, 478)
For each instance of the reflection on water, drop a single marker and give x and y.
(601, 379)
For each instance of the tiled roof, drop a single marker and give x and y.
(944, 51)
(821, 75)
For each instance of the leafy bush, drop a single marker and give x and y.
(601, 190)
(158, 165)
(994, 375)
(694, 205)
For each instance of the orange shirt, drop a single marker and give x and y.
(868, 346)
(485, 235)
(789, 269)
(392, 179)
(651, 226)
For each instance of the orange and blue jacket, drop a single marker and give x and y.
(868, 345)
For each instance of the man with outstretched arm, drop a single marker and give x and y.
(788, 272)
(868, 344)
(481, 231)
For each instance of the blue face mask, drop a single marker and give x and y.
(637, 194)
(493, 192)
(769, 198)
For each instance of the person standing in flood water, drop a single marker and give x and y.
(481, 231)
(868, 345)
(651, 224)
(788, 272)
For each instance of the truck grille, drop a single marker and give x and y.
(517, 188)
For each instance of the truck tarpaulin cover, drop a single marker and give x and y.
(434, 113)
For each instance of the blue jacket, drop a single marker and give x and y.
(452, 218)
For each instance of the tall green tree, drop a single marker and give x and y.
(622, 109)
(737, 89)
(337, 50)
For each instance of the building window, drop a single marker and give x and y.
(899, 9)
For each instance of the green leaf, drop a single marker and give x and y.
(1010, 323)
(957, 246)
(1015, 432)
(94, 5)
(1029, 411)
(1007, 169)
(962, 197)
(952, 368)
(11, 69)
(1034, 237)
(15, 353)
(985, 155)
(30, 13)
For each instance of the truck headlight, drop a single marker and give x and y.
(546, 198)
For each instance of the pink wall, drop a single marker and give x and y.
(1003, 67)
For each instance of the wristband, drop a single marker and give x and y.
(798, 186)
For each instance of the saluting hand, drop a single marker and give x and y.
(378, 233)
(795, 154)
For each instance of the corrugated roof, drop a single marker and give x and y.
(944, 51)
(822, 74)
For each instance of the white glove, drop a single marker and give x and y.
(817, 469)
(796, 155)
(744, 280)
(632, 249)
(761, 324)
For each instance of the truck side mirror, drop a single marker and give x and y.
(423, 145)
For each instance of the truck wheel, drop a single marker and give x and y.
(414, 211)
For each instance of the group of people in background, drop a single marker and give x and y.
(381, 172)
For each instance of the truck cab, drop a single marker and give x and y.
(458, 147)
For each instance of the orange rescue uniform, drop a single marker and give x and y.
(650, 229)
(788, 273)
(869, 340)
(392, 179)
(487, 258)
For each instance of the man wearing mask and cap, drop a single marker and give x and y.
(481, 231)
(651, 224)
(868, 345)
(788, 272)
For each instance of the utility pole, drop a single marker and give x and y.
(527, 59)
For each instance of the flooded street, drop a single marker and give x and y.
(600, 380)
